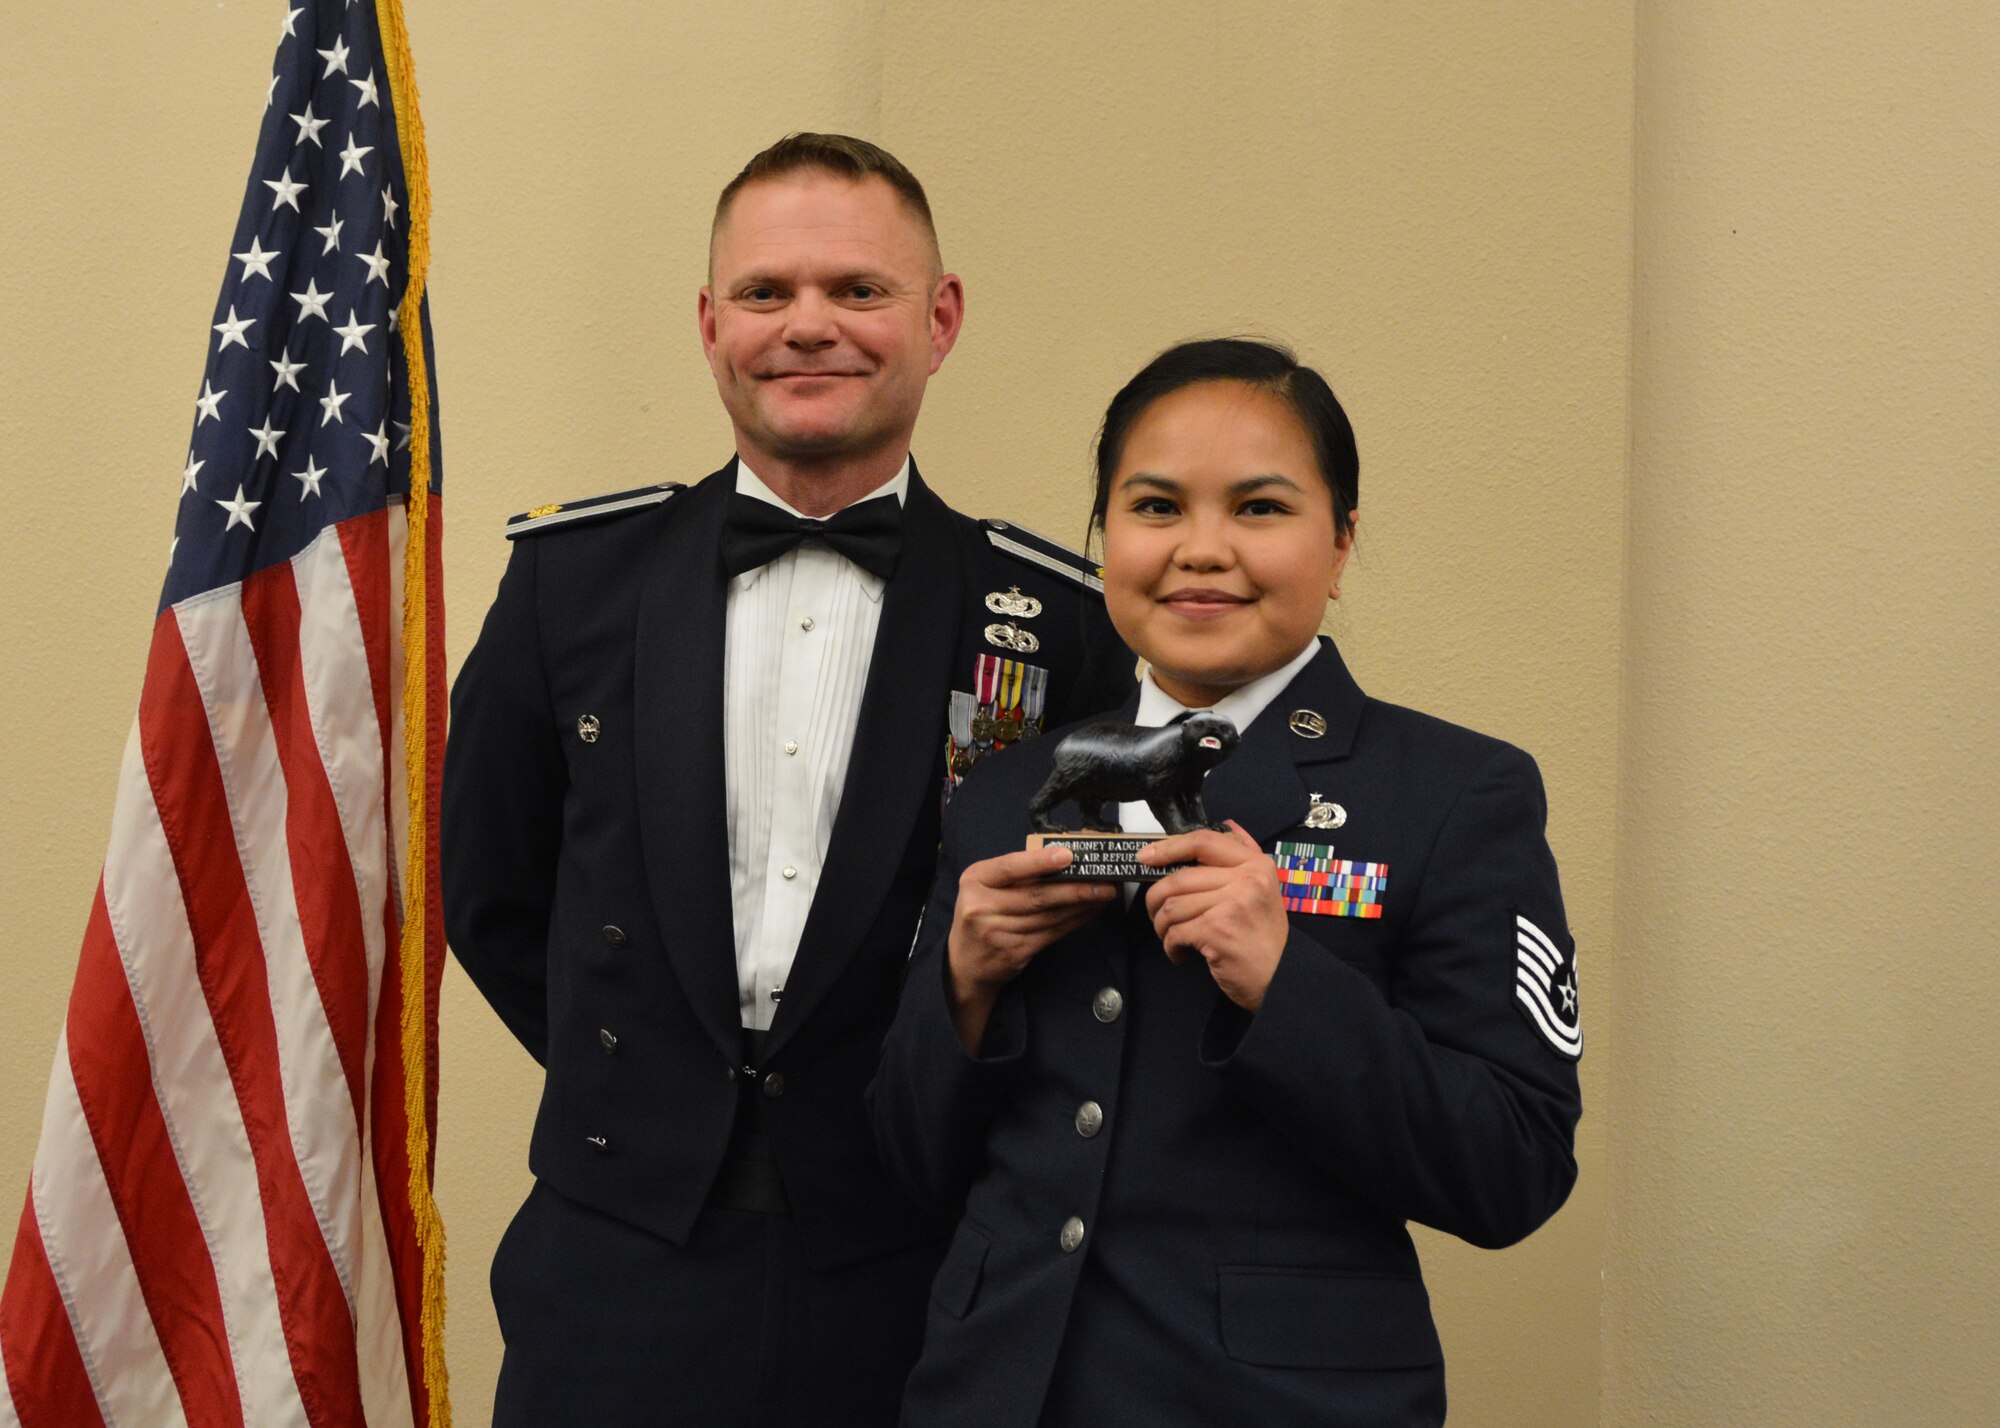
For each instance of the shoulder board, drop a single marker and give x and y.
(590, 508)
(1039, 550)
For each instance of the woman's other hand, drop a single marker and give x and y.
(1228, 909)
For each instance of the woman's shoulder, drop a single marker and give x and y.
(1436, 753)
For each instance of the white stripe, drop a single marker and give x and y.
(318, 1114)
(1565, 1037)
(341, 699)
(1540, 936)
(1531, 949)
(1529, 967)
(9, 1418)
(142, 900)
(92, 1265)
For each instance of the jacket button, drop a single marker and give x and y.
(774, 1084)
(608, 1041)
(598, 1142)
(1072, 1234)
(615, 935)
(1089, 1119)
(1106, 1005)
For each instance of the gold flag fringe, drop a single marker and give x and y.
(416, 712)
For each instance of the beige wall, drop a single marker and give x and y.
(1805, 1184)
(1780, 1193)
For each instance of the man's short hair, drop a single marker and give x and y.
(837, 154)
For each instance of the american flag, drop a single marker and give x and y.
(229, 1219)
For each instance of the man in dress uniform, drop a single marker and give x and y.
(691, 805)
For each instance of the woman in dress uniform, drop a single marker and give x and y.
(1188, 1121)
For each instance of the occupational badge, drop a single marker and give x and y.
(1011, 636)
(587, 728)
(1013, 602)
(1325, 815)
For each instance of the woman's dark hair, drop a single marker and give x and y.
(1257, 363)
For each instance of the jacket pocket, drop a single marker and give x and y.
(1280, 1317)
(957, 1282)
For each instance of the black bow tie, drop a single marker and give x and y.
(869, 533)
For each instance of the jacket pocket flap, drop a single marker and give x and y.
(1334, 1319)
(958, 1277)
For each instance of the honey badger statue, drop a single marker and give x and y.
(1112, 762)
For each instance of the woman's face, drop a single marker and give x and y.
(1219, 545)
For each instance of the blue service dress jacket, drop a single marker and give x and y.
(1176, 1212)
(585, 849)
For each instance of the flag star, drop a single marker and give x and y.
(239, 511)
(173, 550)
(309, 127)
(378, 266)
(272, 92)
(288, 370)
(209, 403)
(232, 330)
(309, 479)
(379, 439)
(267, 439)
(257, 260)
(312, 302)
(291, 17)
(287, 191)
(336, 58)
(389, 207)
(350, 157)
(395, 318)
(355, 334)
(402, 436)
(332, 402)
(368, 92)
(331, 233)
(187, 476)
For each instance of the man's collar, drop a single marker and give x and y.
(749, 483)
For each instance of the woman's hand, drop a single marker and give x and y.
(1229, 909)
(1007, 911)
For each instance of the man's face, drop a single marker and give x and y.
(823, 318)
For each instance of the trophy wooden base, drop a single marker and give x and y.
(1104, 857)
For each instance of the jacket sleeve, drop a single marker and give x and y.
(930, 1100)
(1440, 1102)
(501, 817)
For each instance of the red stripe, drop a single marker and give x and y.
(436, 704)
(107, 1057)
(322, 868)
(45, 1373)
(229, 960)
(365, 543)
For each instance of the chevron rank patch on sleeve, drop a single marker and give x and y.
(1039, 550)
(1545, 988)
(590, 508)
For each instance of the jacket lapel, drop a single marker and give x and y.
(677, 703)
(1263, 785)
(893, 769)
